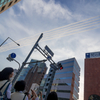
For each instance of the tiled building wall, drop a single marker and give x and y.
(92, 77)
(34, 78)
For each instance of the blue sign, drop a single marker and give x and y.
(12, 55)
(87, 55)
(49, 57)
(93, 55)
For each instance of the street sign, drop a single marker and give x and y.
(49, 57)
(49, 51)
(12, 55)
(93, 55)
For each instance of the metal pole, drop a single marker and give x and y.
(17, 62)
(23, 64)
(4, 42)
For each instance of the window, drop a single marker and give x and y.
(47, 84)
(65, 84)
(64, 78)
(63, 99)
(64, 72)
(65, 91)
(2, 8)
(50, 75)
(45, 90)
(51, 70)
(10, 4)
(49, 79)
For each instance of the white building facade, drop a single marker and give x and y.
(66, 81)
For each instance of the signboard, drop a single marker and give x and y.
(49, 51)
(93, 55)
(49, 57)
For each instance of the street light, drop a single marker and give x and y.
(10, 39)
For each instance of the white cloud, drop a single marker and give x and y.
(45, 9)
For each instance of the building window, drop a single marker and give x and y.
(63, 99)
(45, 90)
(15, 1)
(49, 79)
(50, 75)
(51, 70)
(2, 8)
(10, 4)
(47, 84)
(64, 91)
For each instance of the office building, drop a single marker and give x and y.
(66, 81)
(25, 70)
(6, 4)
(92, 78)
(35, 75)
(43, 83)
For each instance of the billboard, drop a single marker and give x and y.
(92, 55)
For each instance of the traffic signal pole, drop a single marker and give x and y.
(49, 80)
(23, 64)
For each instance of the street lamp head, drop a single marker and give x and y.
(10, 39)
(44, 60)
(18, 44)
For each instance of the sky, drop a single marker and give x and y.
(70, 28)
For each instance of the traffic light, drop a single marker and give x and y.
(60, 66)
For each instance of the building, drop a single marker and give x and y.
(66, 81)
(25, 70)
(35, 75)
(43, 83)
(6, 4)
(91, 78)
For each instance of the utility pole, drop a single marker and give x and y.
(48, 54)
(23, 64)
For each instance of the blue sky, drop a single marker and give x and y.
(26, 20)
